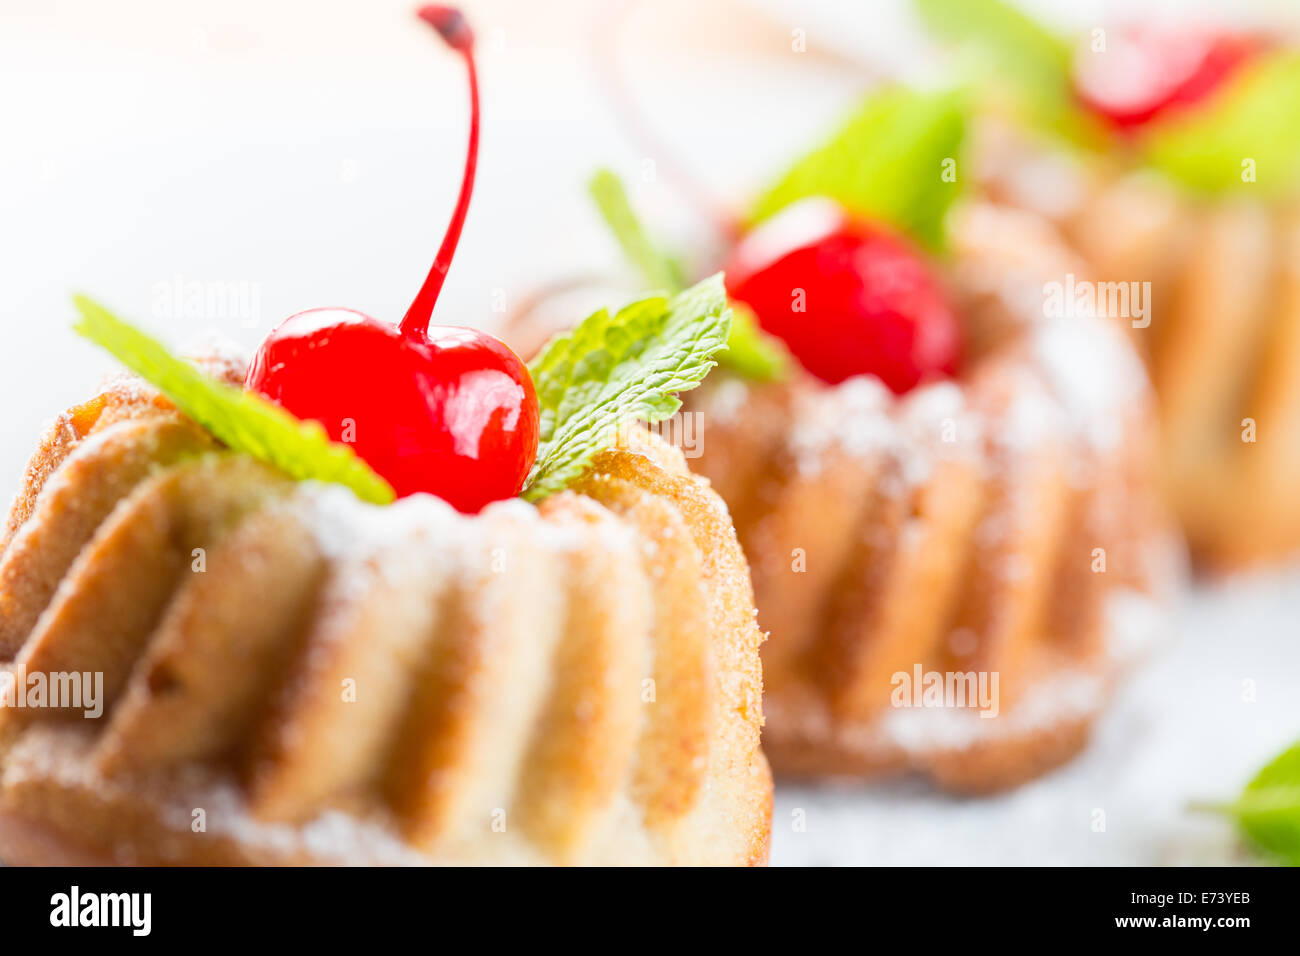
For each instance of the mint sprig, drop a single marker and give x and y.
(1252, 119)
(617, 368)
(656, 268)
(241, 420)
(1268, 810)
(1026, 65)
(887, 162)
(750, 351)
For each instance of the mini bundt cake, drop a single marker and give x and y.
(1176, 182)
(1224, 353)
(997, 525)
(290, 675)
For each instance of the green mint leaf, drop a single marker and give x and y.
(1005, 52)
(242, 420)
(615, 369)
(750, 351)
(1268, 810)
(611, 199)
(1245, 137)
(887, 162)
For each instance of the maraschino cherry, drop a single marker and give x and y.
(1145, 73)
(848, 297)
(446, 410)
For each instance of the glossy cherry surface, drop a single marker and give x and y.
(452, 412)
(445, 410)
(847, 297)
(1145, 73)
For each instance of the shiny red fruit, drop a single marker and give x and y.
(1144, 73)
(452, 412)
(847, 297)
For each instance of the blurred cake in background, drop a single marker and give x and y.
(1164, 155)
(1002, 521)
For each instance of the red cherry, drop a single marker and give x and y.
(847, 297)
(451, 411)
(446, 410)
(1145, 72)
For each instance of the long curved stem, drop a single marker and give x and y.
(455, 32)
(633, 120)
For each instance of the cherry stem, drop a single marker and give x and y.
(626, 109)
(455, 32)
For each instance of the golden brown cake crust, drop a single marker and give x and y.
(580, 682)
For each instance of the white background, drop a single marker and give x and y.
(312, 150)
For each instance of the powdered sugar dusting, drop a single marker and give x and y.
(726, 401)
(1033, 416)
(1096, 374)
(219, 356)
(937, 425)
(853, 417)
